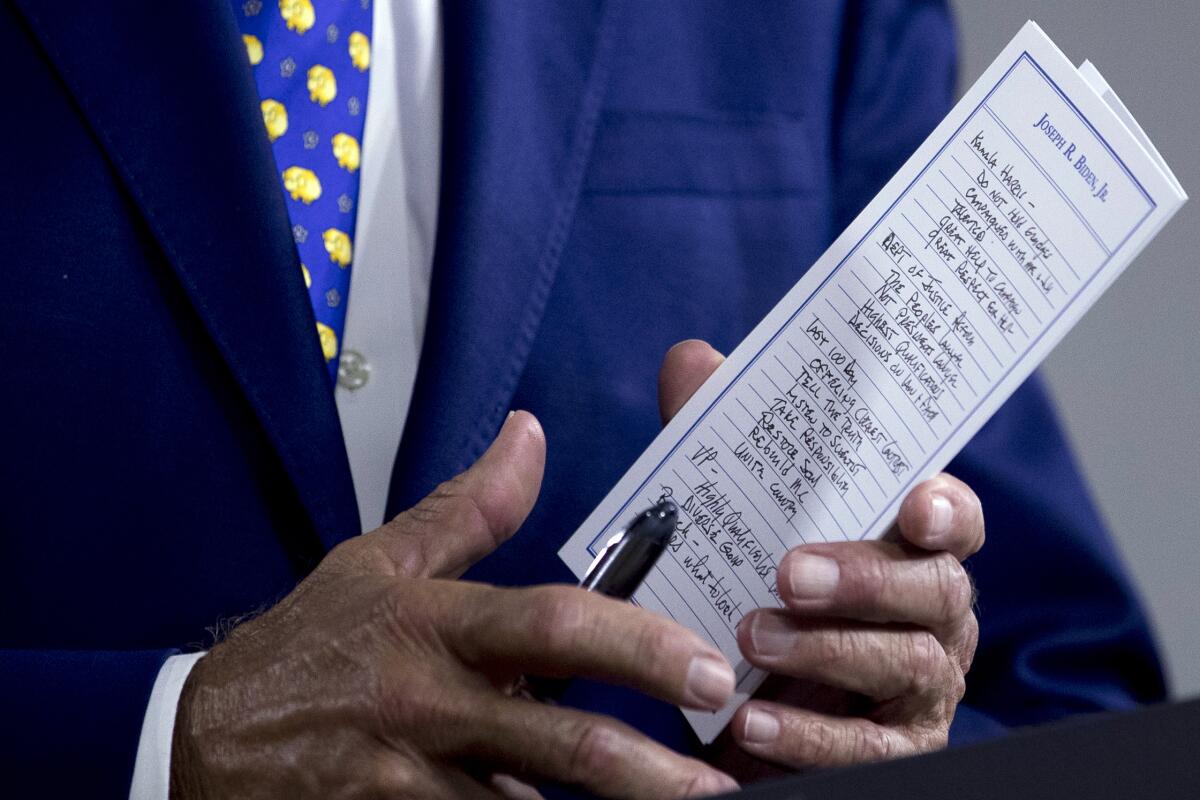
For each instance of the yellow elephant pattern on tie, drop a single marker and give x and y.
(322, 85)
(310, 59)
(329, 342)
(298, 14)
(337, 244)
(254, 48)
(302, 184)
(345, 150)
(360, 51)
(275, 118)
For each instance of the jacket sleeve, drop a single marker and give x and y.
(1062, 630)
(70, 721)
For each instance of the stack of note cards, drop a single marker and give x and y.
(1024, 204)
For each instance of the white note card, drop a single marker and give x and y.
(887, 356)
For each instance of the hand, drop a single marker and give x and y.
(381, 676)
(874, 639)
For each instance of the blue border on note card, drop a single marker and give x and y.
(1024, 56)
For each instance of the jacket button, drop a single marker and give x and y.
(353, 370)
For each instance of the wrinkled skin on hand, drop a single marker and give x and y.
(869, 654)
(382, 675)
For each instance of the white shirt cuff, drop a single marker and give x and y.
(152, 769)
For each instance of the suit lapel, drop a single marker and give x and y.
(523, 85)
(168, 91)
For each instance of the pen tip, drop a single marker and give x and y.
(665, 509)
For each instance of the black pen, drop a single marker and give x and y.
(629, 556)
(617, 572)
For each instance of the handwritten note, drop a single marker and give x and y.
(897, 345)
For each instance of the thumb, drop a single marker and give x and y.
(475, 512)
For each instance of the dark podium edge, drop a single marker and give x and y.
(1152, 752)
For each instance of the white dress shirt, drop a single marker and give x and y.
(388, 302)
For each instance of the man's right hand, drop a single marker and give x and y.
(382, 676)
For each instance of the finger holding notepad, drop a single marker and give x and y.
(886, 620)
(890, 622)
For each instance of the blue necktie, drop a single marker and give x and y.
(310, 60)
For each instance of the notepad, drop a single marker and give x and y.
(1017, 212)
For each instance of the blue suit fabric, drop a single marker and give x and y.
(617, 176)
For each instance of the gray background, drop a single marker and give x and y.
(1127, 378)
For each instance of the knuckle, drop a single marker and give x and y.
(953, 586)
(424, 705)
(415, 556)
(872, 743)
(449, 505)
(443, 521)
(697, 785)
(926, 662)
(689, 785)
(410, 619)
(816, 744)
(702, 782)
(454, 504)
(594, 750)
(556, 617)
(836, 648)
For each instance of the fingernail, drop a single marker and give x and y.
(761, 727)
(710, 682)
(510, 416)
(769, 636)
(813, 577)
(941, 514)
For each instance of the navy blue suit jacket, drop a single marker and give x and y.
(173, 455)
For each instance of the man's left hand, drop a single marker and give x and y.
(887, 625)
